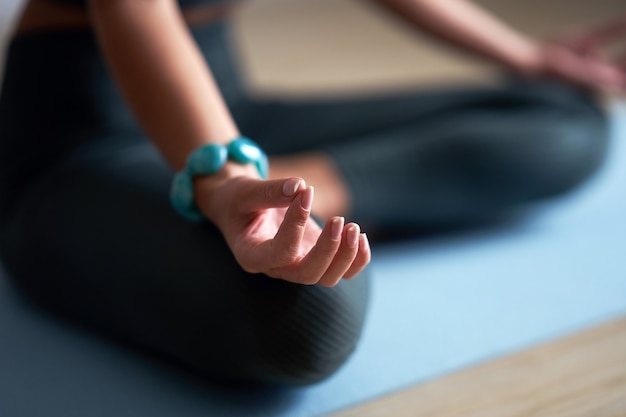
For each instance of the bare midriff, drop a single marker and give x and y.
(43, 15)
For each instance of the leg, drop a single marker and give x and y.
(87, 231)
(440, 158)
(96, 240)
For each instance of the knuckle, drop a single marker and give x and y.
(309, 280)
(268, 191)
(300, 220)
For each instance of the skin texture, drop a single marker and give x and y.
(268, 227)
(332, 196)
(173, 95)
(579, 58)
(162, 75)
(267, 224)
(573, 58)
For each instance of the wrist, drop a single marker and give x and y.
(208, 168)
(529, 59)
(207, 185)
(209, 189)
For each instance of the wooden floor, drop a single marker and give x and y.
(580, 375)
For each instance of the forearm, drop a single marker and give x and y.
(162, 75)
(464, 24)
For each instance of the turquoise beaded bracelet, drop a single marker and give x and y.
(208, 160)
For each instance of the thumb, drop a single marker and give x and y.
(271, 193)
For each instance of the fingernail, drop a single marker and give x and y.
(307, 198)
(336, 227)
(291, 186)
(365, 243)
(353, 236)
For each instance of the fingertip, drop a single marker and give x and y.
(336, 227)
(292, 186)
(352, 232)
(364, 246)
(362, 258)
(306, 198)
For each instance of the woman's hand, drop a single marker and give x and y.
(267, 226)
(581, 59)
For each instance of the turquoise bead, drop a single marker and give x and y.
(182, 197)
(207, 160)
(245, 151)
(263, 166)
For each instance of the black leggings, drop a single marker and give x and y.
(86, 229)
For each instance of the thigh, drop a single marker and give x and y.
(289, 126)
(96, 240)
(447, 157)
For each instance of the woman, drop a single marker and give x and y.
(87, 230)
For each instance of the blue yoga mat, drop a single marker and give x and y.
(438, 305)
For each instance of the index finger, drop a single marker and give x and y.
(287, 241)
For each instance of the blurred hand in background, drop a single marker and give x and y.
(582, 58)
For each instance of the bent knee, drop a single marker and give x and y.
(309, 332)
(571, 151)
(549, 155)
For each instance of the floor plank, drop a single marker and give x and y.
(580, 375)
